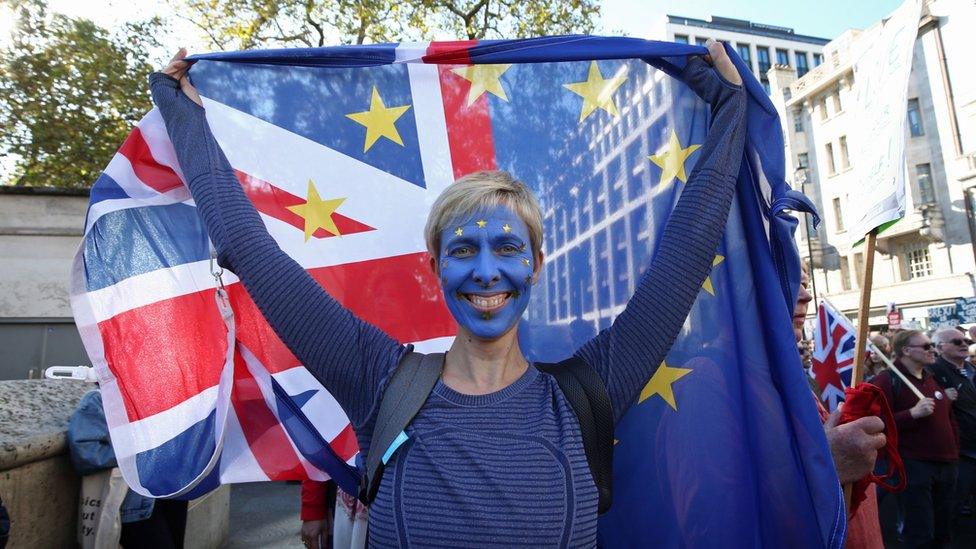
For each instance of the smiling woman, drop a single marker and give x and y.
(495, 456)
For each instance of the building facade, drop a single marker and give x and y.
(40, 230)
(760, 45)
(928, 258)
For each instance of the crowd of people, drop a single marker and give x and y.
(936, 431)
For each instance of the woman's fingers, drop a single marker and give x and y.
(177, 66)
(721, 61)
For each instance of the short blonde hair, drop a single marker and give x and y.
(483, 191)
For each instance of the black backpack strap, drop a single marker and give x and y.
(406, 393)
(587, 394)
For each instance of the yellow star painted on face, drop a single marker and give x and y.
(507, 228)
(483, 78)
(459, 231)
(597, 92)
(707, 285)
(380, 121)
(317, 213)
(660, 384)
(526, 261)
(481, 223)
(672, 160)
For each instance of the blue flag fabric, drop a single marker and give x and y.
(725, 445)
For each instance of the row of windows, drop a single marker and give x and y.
(923, 177)
(916, 262)
(845, 159)
(762, 55)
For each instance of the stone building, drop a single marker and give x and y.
(928, 258)
(40, 230)
(760, 45)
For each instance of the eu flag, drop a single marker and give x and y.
(343, 150)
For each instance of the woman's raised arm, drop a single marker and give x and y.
(627, 354)
(350, 357)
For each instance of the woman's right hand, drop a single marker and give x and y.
(177, 69)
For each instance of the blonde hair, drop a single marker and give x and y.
(483, 191)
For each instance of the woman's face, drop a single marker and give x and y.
(486, 270)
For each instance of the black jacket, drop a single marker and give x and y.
(964, 407)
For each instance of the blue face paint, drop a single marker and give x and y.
(486, 268)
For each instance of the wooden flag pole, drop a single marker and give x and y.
(864, 309)
(861, 343)
(895, 371)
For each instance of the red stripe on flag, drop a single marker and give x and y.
(344, 444)
(160, 365)
(469, 133)
(377, 291)
(264, 434)
(153, 174)
(273, 201)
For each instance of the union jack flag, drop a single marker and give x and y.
(342, 151)
(833, 354)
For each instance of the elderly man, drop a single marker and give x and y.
(955, 374)
(927, 440)
(854, 446)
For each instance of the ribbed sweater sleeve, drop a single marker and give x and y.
(351, 358)
(628, 352)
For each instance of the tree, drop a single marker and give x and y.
(70, 92)
(243, 24)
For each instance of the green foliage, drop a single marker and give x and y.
(70, 92)
(242, 24)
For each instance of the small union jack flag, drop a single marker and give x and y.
(833, 354)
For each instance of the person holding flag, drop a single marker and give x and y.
(928, 439)
(495, 454)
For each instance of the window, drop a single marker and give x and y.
(798, 120)
(801, 63)
(918, 263)
(845, 274)
(782, 57)
(845, 161)
(745, 54)
(926, 194)
(915, 118)
(803, 160)
(838, 215)
(829, 150)
(765, 85)
(836, 99)
(817, 59)
(859, 269)
(823, 108)
(681, 38)
(699, 41)
(762, 55)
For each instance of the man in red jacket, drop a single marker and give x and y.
(927, 440)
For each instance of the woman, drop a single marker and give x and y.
(495, 456)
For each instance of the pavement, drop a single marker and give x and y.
(265, 514)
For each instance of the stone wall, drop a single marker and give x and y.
(38, 484)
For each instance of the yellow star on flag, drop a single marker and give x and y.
(707, 285)
(380, 121)
(317, 213)
(483, 78)
(660, 384)
(597, 92)
(672, 160)
(481, 223)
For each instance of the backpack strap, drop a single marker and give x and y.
(406, 393)
(587, 394)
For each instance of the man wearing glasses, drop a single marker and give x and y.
(955, 374)
(927, 440)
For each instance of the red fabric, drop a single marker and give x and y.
(863, 528)
(313, 500)
(866, 400)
